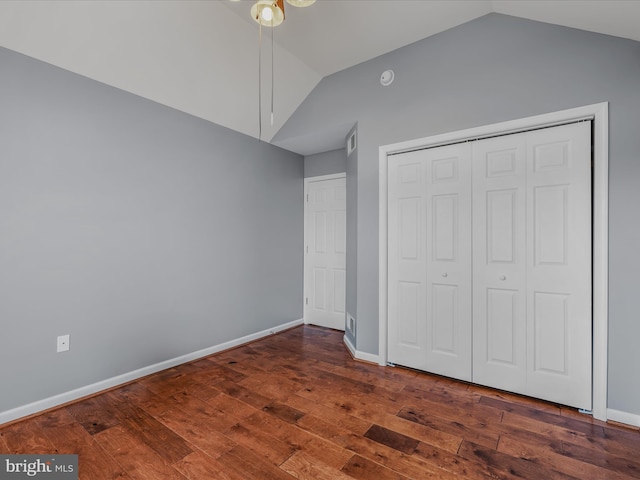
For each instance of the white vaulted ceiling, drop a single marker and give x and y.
(201, 57)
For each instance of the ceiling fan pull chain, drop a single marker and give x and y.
(260, 82)
(273, 32)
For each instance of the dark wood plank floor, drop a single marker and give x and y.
(295, 405)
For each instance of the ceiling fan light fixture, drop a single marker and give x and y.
(301, 3)
(268, 13)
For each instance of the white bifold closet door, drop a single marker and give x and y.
(559, 265)
(429, 260)
(532, 263)
(499, 263)
(490, 262)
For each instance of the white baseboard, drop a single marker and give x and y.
(350, 346)
(623, 417)
(66, 397)
(358, 355)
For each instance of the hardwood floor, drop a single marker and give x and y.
(295, 405)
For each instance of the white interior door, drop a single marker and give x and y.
(499, 258)
(528, 328)
(429, 259)
(407, 335)
(559, 244)
(325, 234)
(532, 264)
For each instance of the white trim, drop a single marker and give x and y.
(623, 417)
(350, 346)
(358, 355)
(66, 397)
(307, 181)
(600, 259)
(321, 178)
(383, 236)
(597, 112)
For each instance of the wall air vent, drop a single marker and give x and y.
(351, 143)
(351, 324)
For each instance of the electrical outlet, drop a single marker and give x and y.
(63, 343)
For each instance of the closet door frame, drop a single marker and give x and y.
(599, 115)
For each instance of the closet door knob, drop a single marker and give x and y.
(503, 277)
(444, 274)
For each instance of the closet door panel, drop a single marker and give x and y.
(499, 278)
(407, 329)
(559, 264)
(490, 262)
(448, 260)
(430, 260)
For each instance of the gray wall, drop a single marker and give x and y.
(494, 69)
(326, 163)
(142, 232)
